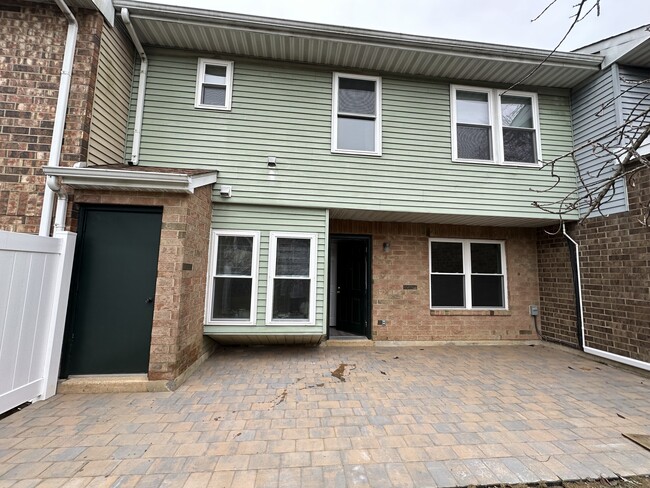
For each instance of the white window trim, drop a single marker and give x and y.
(200, 74)
(335, 108)
(313, 250)
(212, 271)
(467, 272)
(496, 126)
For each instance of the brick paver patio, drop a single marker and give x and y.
(407, 416)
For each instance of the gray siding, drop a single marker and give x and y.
(280, 219)
(112, 97)
(635, 95)
(285, 111)
(594, 111)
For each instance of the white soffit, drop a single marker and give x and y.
(360, 49)
(134, 180)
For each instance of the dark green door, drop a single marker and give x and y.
(352, 268)
(114, 281)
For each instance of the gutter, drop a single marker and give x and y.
(142, 83)
(574, 251)
(59, 117)
(210, 18)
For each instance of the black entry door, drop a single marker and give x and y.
(114, 280)
(352, 286)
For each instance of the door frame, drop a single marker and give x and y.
(76, 272)
(367, 238)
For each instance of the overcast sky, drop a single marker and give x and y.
(495, 21)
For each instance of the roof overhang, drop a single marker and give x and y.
(629, 48)
(352, 48)
(104, 6)
(102, 178)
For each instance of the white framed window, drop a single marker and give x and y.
(291, 287)
(356, 114)
(495, 126)
(231, 297)
(467, 274)
(214, 84)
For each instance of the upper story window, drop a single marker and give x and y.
(214, 84)
(232, 284)
(467, 274)
(356, 114)
(495, 127)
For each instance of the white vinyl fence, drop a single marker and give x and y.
(34, 286)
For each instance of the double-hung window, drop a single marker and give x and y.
(467, 274)
(495, 126)
(291, 295)
(232, 285)
(214, 84)
(356, 114)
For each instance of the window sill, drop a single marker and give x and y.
(498, 163)
(466, 312)
(356, 153)
(213, 107)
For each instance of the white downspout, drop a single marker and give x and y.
(580, 305)
(142, 82)
(54, 184)
(59, 117)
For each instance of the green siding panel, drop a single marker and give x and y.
(285, 111)
(268, 219)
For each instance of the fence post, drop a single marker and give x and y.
(57, 318)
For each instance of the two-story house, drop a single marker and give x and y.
(368, 184)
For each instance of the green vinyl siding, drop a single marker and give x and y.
(285, 111)
(268, 219)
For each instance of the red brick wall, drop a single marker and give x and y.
(615, 264)
(407, 311)
(32, 42)
(177, 335)
(557, 305)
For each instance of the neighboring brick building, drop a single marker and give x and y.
(32, 42)
(615, 273)
(610, 108)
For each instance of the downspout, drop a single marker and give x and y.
(54, 184)
(59, 117)
(574, 251)
(142, 82)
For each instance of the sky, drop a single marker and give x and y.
(494, 21)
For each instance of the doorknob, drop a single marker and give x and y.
(149, 300)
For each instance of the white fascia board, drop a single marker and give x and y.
(133, 180)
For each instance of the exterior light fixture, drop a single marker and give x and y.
(386, 246)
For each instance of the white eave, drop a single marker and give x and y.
(359, 49)
(133, 180)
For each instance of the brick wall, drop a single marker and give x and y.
(177, 338)
(407, 310)
(615, 265)
(191, 342)
(557, 305)
(32, 42)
